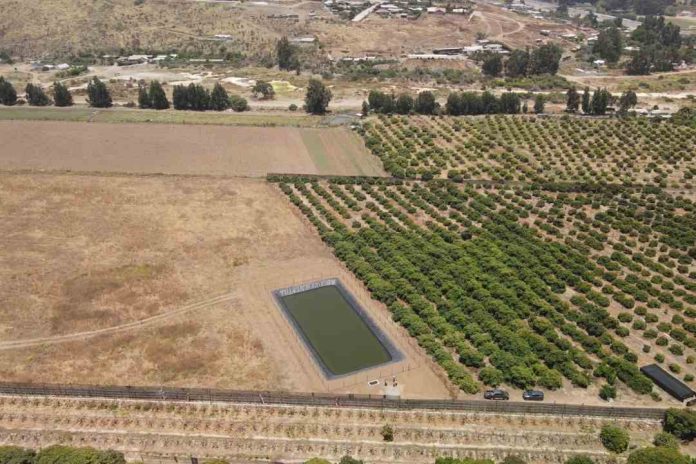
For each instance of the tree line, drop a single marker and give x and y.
(598, 102)
(522, 63)
(192, 97)
(458, 103)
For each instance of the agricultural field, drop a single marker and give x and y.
(148, 430)
(564, 290)
(182, 149)
(532, 149)
(166, 280)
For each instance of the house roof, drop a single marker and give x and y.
(667, 382)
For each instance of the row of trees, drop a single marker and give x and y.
(599, 101)
(195, 97)
(472, 103)
(458, 103)
(521, 63)
(384, 103)
(35, 95)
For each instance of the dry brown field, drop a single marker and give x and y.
(166, 280)
(182, 149)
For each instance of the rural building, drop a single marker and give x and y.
(669, 383)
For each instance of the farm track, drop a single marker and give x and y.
(245, 431)
(135, 325)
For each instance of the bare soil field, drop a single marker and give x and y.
(193, 259)
(182, 149)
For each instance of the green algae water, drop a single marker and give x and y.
(338, 335)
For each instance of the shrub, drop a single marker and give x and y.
(666, 440)
(657, 456)
(16, 455)
(681, 423)
(387, 433)
(607, 392)
(580, 459)
(614, 438)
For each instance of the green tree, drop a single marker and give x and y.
(510, 103)
(681, 423)
(614, 438)
(8, 94)
(317, 97)
(16, 455)
(492, 65)
(404, 104)
(516, 65)
(545, 59)
(263, 90)
(491, 376)
(376, 100)
(286, 55)
(36, 96)
(425, 103)
(572, 100)
(627, 101)
(365, 108)
(143, 98)
(609, 44)
(180, 98)
(586, 108)
(61, 95)
(98, 95)
(539, 104)
(158, 98)
(657, 456)
(197, 97)
(601, 98)
(640, 63)
(238, 103)
(219, 100)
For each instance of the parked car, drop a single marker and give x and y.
(533, 395)
(496, 394)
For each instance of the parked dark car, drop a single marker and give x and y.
(496, 394)
(533, 395)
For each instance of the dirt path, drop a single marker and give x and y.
(135, 325)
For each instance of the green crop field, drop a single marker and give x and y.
(524, 286)
(338, 335)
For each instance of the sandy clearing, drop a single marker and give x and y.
(176, 149)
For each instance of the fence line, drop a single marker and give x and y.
(321, 399)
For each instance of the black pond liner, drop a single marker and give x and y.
(394, 353)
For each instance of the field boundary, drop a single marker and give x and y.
(319, 399)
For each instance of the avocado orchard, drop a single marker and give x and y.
(531, 149)
(525, 286)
